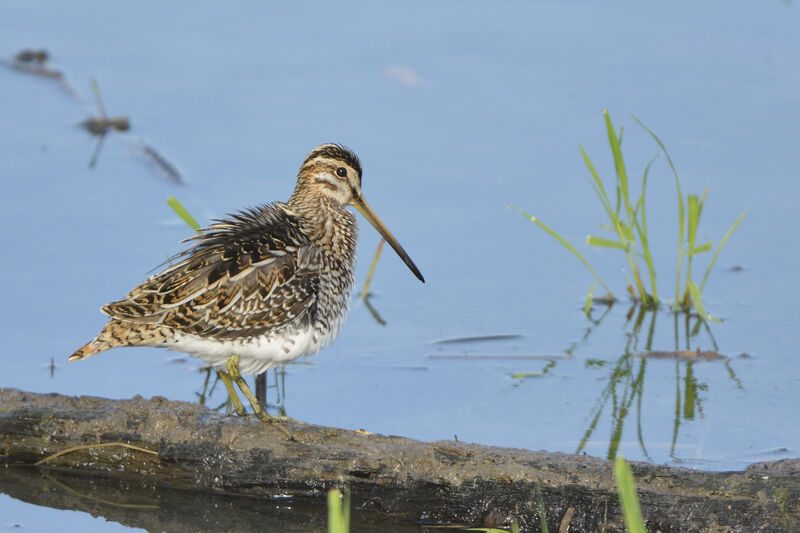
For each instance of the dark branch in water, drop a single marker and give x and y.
(202, 453)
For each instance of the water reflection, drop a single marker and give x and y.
(136, 503)
(625, 388)
(365, 294)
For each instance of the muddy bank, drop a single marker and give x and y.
(208, 455)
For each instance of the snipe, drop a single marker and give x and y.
(263, 287)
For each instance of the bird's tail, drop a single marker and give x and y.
(89, 349)
(121, 333)
(105, 340)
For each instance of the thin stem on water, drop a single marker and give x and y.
(365, 288)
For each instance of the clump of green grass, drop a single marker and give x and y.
(626, 213)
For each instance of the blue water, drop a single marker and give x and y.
(456, 109)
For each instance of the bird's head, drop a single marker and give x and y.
(334, 171)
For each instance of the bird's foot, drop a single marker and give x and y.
(233, 398)
(258, 411)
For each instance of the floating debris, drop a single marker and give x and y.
(33, 62)
(100, 125)
(162, 164)
(500, 357)
(405, 76)
(479, 338)
(683, 354)
(607, 299)
(32, 56)
(525, 375)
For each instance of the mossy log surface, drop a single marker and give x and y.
(204, 455)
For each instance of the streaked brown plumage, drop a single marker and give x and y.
(269, 284)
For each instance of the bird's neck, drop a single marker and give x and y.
(328, 224)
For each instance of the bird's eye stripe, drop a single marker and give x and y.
(327, 183)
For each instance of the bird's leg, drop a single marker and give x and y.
(238, 408)
(260, 412)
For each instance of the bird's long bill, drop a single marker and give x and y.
(364, 208)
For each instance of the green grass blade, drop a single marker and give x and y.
(597, 184)
(619, 162)
(626, 488)
(623, 232)
(346, 509)
(334, 511)
(681, 210)
(627, 231)
(719, 247)
(563, 241)
(98, 98)
(183, 213)
(338, 512)
(640, 218)
(524, 375)
(698, 303)
(623, 186)
(629, 280)
(587, 305)
(703, 200)
(541, 510)
(694, 219)
(693, 222)
(699, 249)
(607, 243)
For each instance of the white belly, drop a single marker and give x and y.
(256, 354)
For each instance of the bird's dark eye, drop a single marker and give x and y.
(341, 172)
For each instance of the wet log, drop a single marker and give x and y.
(201, 453)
